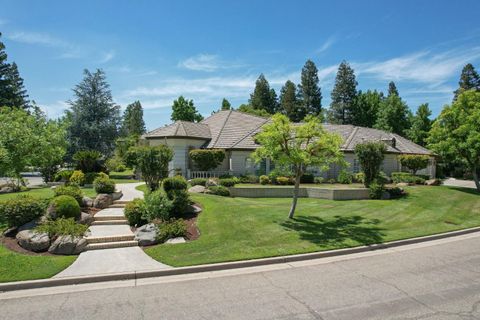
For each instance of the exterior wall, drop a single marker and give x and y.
(240, 163)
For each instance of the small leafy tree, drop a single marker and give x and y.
(370, 156)
(184, 110)
(207, 159)
(455, 135)
(298, 146)
(414, 162)
(152, 163)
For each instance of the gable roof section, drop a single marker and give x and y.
(184, 129)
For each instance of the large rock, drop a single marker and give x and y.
(147, 235)
(193, 209)
(433, 182)
(85, 218)
(29, 225)
(117, 195)
(68, 245)
(87, 202)
(10, 232)
(197, 189)
(6, 190)
(176, 240)
(212, 182)
(33, 241)
(103, 201)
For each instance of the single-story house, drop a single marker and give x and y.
(234, 132)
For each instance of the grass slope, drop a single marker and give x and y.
(242, 228)
(43, 193)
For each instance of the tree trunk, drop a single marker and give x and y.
(475, 178)
(295, 194)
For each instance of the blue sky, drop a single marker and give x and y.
(154, 51)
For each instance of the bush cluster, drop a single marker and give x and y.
(115, 164)
(72, 190)
(219, 191)
(250, 178)
(63, 227)
(135, 211)
(20, 210)
(283, 181)
(345, 177)
(104, 185)
(405, 177)
(227, 182)
(396, 192)
(307, 178)
(207, 159)
(171, 229)
(264, 180)
(63, 175)
(174, 183)
(77, 178)
(66, 207)
(318, 180)
(198, 182)
(157, 206)
(359, 177)
(376, 190)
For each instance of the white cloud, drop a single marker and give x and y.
(201, 62)
(107, 56)
(55, 109)
(326, 45)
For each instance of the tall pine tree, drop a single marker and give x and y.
(392, 89)
(343, 95)
(421, 125)
(469, 79)
(263, 98)
(226, 104)
(133, 124)
(290, 104)
(93, 117)
(309, 91)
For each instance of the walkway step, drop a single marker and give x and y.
(105, 218)
(106, 239)
(110, 245)
(117, 205)
(121, 202)
(109, 222)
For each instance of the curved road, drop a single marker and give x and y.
(438, 281)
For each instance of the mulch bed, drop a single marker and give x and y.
(12, 245)
(192, 230)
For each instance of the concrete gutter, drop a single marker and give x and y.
(52, 282)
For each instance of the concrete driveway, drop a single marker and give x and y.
(423, 281)
(459, 183)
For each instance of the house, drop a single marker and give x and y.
(234, 132)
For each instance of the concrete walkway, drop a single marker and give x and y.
(459, 183)
(111, 246)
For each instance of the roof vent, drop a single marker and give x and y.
(389, 141)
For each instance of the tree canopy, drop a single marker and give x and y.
(393, 115)
(184, 110)
(421, 125)
(309, 91)
(392, 89)
(263, 97)
(366, 107)
(132, 123)
(343, 95)
(226, 105)
(290, 105)
(469, 79)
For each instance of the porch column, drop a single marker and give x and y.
(267, 166)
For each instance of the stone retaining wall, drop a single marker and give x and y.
(318, 193)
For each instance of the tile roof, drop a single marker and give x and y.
(236, 130)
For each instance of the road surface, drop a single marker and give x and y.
(422, 281)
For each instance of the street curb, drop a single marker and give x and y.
(52, 282)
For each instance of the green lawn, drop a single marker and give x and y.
(43, 193)
(123, 177)
(309, 185)
(16, 267)
(247, 228)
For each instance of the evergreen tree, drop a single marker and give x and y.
(94, 117)
(309, 91)
(290, 104)
(367, 105)
(184, 110)
(226, 105)
(343, 95)
(421, 125)
(263, 98)
(469, 79)
(12, 90)
(392, 89)
(133, 124)
(393, 115)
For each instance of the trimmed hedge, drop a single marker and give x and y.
(174, 183)
(104, 185)
(219, 191)
(78, 178)
(20, 210)
(73, 191)
(66, 207)
(198, 182)
(227, 182)
(206, 159)
(405, 177)
(345, 177)
(134, 212)
(264, 180)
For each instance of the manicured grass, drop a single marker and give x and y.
(16, 267)
(309, 185)
(43, 193)
(123, 177)
(248, 228)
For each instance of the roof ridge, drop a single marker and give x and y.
(350, 137)
(223, 126)
(250, 132)
(178, 126)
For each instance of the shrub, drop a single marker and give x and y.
(405, 177)
(73, 191)
(63, 227)
(318, 180)
(20, 210)
(104, 185)
(250, 178)
(307, 178)
(174, 183)
(66, 207)
(171, 229)
(345, 177)
(121, 168)
(264, 180)
(63, 175)
(77, 178)
(88, 161)
(219, 191)
(396, 192)
(157, 206)
(198, 182)
(227, 182)
(359, 177)
(376, 190)
(370, 156)
(180, 200)
(207, 159)
(414, 162)
(134, 212)
(91, 176)
(279, 172)
(283, 181)
(114, 164)
(331, 181)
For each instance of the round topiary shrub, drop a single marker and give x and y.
(64, 207)
(227, 182)
(77, 178)
(264, 180)
(283, 181)
(72, 190)
(174, 183)
(104, 185)
(134, 212)
(219, 191)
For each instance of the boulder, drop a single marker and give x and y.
(147, 235)
(103, 201)
(33, 241)
(85, 218)
(6, 190)
(433, 182)
(197, 189)
(87, 202)
(29, 225)
(117, 195)
(193, 209)
(212, 182)
(404, 184)
(10, 232)
(176, 240)
(68, 245)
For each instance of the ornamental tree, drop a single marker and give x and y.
(455, 134)
(414, 162)
(370, 155)
(152, 163)
(207, 159)
(298, 146)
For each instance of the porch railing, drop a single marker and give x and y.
(207, 174)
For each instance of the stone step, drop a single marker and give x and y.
(111, 245)
(121, 202)
(109, 222)
(105, 218)
(106, 239)
(117, 205)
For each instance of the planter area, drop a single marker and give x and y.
(304, 192)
